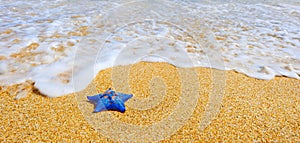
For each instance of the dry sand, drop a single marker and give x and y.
(251, 110)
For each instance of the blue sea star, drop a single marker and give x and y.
(110, 100)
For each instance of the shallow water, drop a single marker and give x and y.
(62, 45)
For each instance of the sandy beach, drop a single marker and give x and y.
(176, 53)
(252, 110)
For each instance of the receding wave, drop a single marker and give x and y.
(57, 44)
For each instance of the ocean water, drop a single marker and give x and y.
(61, 45)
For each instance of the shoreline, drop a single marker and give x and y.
(251, 110)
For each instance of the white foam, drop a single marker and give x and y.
(258, 39)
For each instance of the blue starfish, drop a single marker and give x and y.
(110, 100)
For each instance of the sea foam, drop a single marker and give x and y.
(62, 45)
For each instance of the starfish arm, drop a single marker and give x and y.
(124, 97)
(94, 98)
(122, 107)
(100, 107)
(118, 106)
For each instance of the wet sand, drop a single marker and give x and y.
(251, 110)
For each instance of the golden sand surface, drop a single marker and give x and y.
(252, 110)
